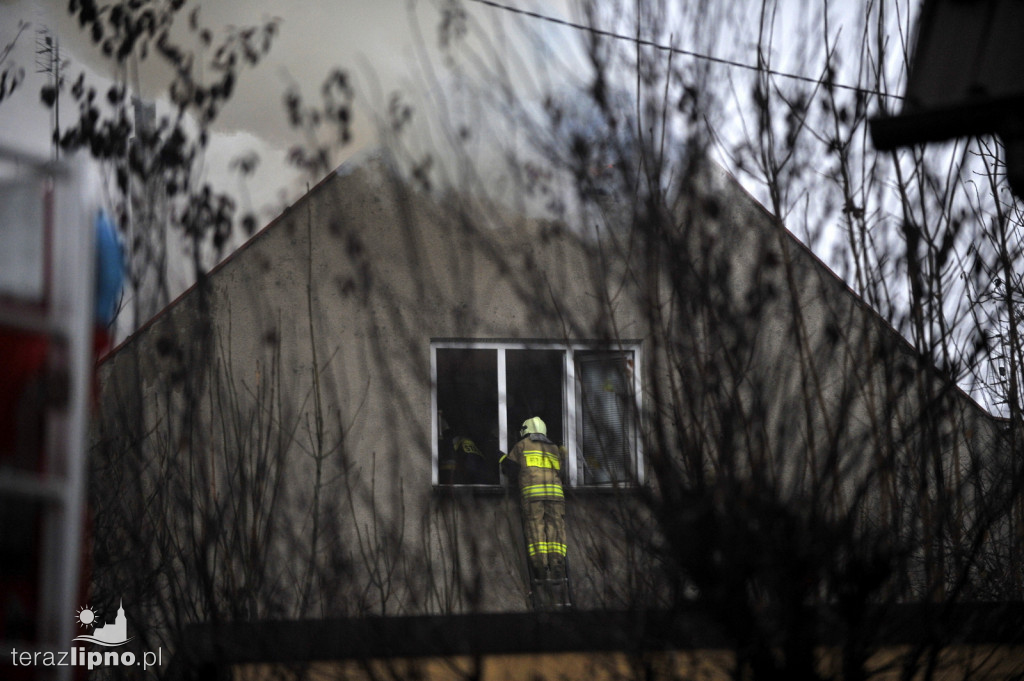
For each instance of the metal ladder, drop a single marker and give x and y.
(551, 593)
(548, 592)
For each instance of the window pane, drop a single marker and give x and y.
(534, 387)
(23, 241)
(607, 422)
(467, 400)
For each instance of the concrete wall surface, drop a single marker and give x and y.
(274, 435)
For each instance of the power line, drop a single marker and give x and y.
(678, 50)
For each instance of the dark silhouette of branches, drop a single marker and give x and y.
(816, 452)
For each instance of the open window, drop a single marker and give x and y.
(586, 394)
(466, 391)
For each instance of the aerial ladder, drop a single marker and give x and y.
(46, 308)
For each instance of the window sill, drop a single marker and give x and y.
(500, 490)
(469, 490)
(603, 490)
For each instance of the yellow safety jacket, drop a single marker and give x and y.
(539, 462)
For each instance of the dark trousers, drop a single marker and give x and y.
(545, 535)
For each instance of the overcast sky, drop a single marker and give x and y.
(375, 40)
(387, 46)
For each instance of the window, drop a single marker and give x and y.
(588, 396)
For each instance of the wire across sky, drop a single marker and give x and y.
(681, 51)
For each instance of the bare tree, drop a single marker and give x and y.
(812, 456)
(11, 74)
(811, 445)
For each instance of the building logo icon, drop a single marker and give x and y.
(105, 634)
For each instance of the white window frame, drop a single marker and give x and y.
(570, 397)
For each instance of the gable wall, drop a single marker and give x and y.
(320, 342)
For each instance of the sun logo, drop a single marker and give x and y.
(86, 616)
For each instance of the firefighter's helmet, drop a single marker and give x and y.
(533, 425)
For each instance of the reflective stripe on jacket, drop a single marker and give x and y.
(538, 458)
(543, 491)
(540, 461)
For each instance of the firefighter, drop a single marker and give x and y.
(472, 465)
(537, 462)
(460, 461)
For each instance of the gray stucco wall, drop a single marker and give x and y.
(326, 317)
(318, 351)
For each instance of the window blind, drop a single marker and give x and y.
(605, 448)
